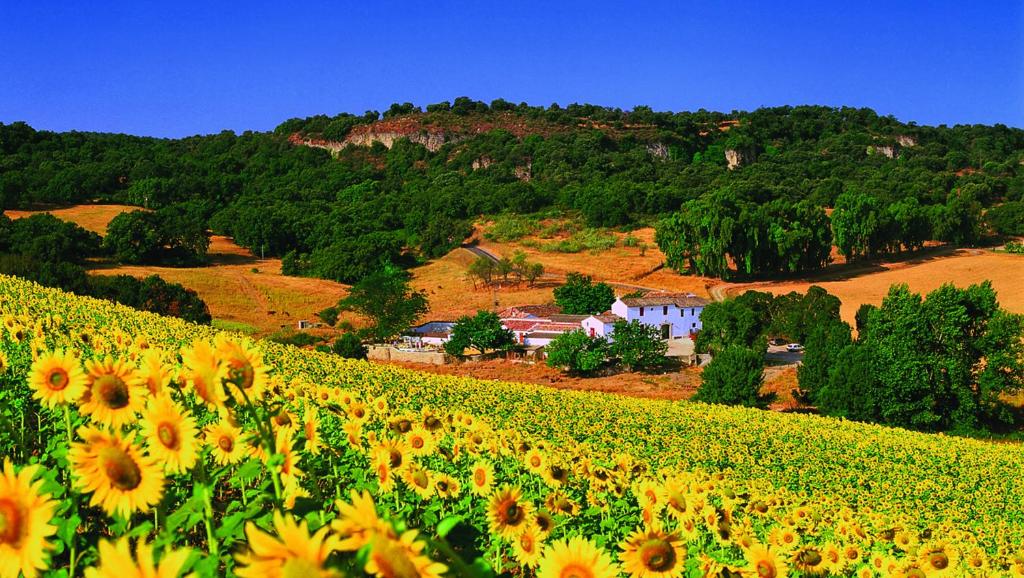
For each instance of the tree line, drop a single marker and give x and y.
(344, 216)
(52, 252)
(941, 362)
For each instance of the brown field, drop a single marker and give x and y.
(238, 287)
(962, 267)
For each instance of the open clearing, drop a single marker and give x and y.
(962, 267)
(246, 292)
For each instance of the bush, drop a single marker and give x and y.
(509, 228)
(1015, 247)
(298, 339)
(329, 316)
(349, 345)
(577, 352)
(734, 377)
(482, 332)
(638, 345)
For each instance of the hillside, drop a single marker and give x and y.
(409, 184)
(969, 485)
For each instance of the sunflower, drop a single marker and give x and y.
(576, 557)
(446, 487)
(810, 561)
(527, 546)
(650, 553)
(170, 434)
(153, 373)
(243, 368)
(357, 411)
(977, 560)
(905, 540)
(203, 372)
(289, 465)
(4, 363)
(116, 561)
(383, 472)
(395, 452)
(115, 393)
(57, 378)
(380, 405)
(225, 443)
(420, 480)
(398, 558)
(560, 503)
(25, 515)
(114, 470)
(311, 427)
(555, 475)
(763, 563)
(285, 420)
(507, 513)
(784, 538)
(544, 522)
(293, 552)
(535, 461)
(353, 434)
(482, 478)
(420, 441)
(938, 558)
(357, 522)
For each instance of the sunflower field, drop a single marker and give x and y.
(137, 445)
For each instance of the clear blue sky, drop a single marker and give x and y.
(180, 68)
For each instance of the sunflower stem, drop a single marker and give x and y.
(204, 487)
(73, 547)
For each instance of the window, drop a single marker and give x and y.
(693, 311)
(641, 312)
(693, 325)
(664, 310)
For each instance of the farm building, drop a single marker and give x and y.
(677, 315)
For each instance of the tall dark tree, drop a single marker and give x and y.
(579, 295)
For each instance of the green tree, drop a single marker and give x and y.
(387, 300)
(821, 356)
(581, 296)
(482, 332)
(738, 321)
(329, 316)
(577, 352)
(637, 346)
(852, 389)
(734, 377)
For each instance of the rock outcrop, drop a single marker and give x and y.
(738, 157)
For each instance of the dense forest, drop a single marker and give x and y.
(731, 193)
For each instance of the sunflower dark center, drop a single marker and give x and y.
(513, 513)
(283, 419)
(168, 435)
(480, 477)
(658, 555)
(11, 522)
(432, 423)
(226, 443)
(58, 379)
(395, 458)
(765, 569)
(442, 486)
(417, 443)
(122, 471)
(939, 560)
(112, 391)
(677, 502)
(916, 573)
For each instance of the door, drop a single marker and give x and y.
(666, 331)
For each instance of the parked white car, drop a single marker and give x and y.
(794, 347)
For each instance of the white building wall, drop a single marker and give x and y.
(600, 328)
(683, 321)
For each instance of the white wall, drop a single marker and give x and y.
(683, 321)
(601, 329)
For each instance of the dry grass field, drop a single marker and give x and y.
(961, 267)
(243, 292)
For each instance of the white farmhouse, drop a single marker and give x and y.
(676, 315)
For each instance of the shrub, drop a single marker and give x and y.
(734, 377)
